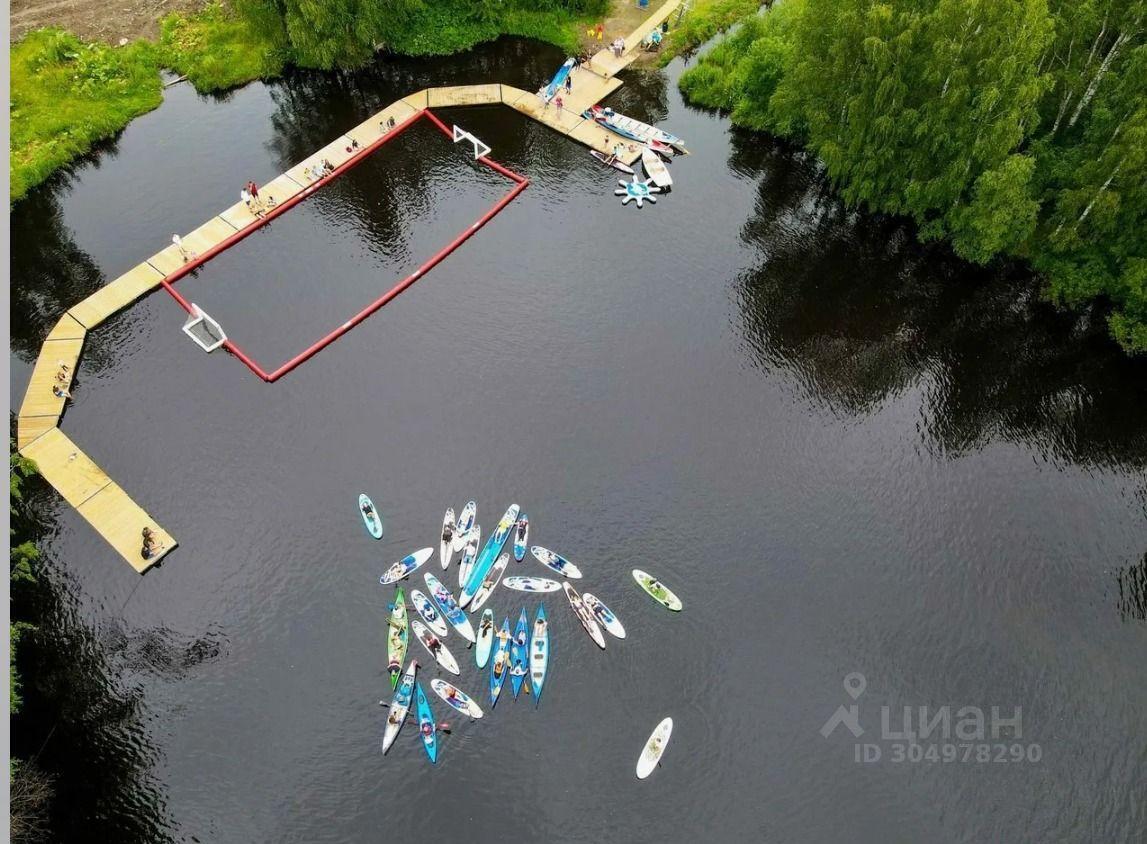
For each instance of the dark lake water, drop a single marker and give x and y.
(845, 452)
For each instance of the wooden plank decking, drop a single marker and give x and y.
(109, 510)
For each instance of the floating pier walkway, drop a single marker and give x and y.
(102, 502)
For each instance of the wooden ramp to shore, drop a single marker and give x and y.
(105, 505)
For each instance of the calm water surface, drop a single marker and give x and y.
(845, 452)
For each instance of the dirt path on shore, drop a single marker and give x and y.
(96, 20)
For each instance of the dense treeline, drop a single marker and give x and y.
(1010, 127)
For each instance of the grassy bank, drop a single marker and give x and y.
(67, 95)
(705, 20)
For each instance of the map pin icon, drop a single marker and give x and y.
(855, 684)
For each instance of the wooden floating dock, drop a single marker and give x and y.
(102, 502)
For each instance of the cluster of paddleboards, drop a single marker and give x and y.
(657, 147)
(520, 653)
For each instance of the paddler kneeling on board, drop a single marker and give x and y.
(433, 644)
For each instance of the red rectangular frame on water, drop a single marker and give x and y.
(520, 183)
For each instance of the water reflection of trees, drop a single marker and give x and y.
(859, 310)
(85, 720)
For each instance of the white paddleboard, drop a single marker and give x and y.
(556, 562)
(655, 168)
(490, 583)
(406, 565)
(604, 615)
(531, 584)
(485, 638)
(444, 657)
(469, 554)
(651, 753)
(430, 615)
(465, 524)
(446, 543)
(460, 701)
(584, 615)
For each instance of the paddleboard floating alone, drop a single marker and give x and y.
(654, 747)
(456, 698)
(531, 584)
(604, 615)
(370, 516)
(405, 566)
(657, 591)
(428, 613)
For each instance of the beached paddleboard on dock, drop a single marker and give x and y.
(615, 164)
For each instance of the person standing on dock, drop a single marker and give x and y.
(183, 250)
(558, 103)
(569, 84)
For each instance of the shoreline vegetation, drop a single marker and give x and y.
(68, 94)
(1011, 130)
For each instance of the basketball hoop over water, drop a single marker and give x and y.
(480, 148)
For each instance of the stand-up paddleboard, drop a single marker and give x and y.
(604, 615)
(469, 553)
(485, 638)
(446, 544)
(399, 706)
(456, 698)
(405, 566)
(490, 583)
(655, 169)
(428, 613)
(449, 607)
(397, 637)
(519, 653)
(615, 164)
(371, 519)
(486, 559)
(657, 591)
(521, 537)
(539, 653)
(629, 128)
(556, 562)
(584, 615)
(500, 665)
(426, 726)
(531, 584)
(651, 753)
(465, 525)
(560, 78)
(444, 657)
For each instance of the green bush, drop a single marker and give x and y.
(217, 49)
(704, 20)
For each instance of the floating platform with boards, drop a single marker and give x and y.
(102, 502)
